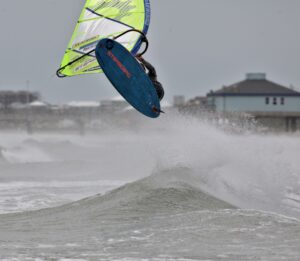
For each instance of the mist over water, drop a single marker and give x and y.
(178, 188)
(249, 170)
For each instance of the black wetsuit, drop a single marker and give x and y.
(153, 77)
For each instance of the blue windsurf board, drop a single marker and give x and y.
(128, 77)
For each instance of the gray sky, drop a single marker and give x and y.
(196, 45)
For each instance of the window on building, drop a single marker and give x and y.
(274, 101)
(267, 100)
(282, 101)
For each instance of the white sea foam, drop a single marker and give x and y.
(25, 196)
(174, 214)
(250, 170)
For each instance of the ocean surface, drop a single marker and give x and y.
(171, 189)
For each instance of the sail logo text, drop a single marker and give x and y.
(119, 64)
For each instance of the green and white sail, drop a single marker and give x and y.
(104, 19)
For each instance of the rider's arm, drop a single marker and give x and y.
(150, 68)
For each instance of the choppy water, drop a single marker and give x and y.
(171, 190)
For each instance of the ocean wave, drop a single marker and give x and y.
(167, 191)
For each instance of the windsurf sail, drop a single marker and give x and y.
(104, 19)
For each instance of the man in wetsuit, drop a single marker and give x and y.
(153, 77)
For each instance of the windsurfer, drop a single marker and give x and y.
(153, 76)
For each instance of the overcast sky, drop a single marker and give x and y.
(196, 45)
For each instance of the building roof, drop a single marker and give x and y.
(81, 104)
(255, 86)
(38, 104)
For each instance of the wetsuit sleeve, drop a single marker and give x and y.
(152, 72)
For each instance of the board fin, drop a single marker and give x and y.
(154, 109)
